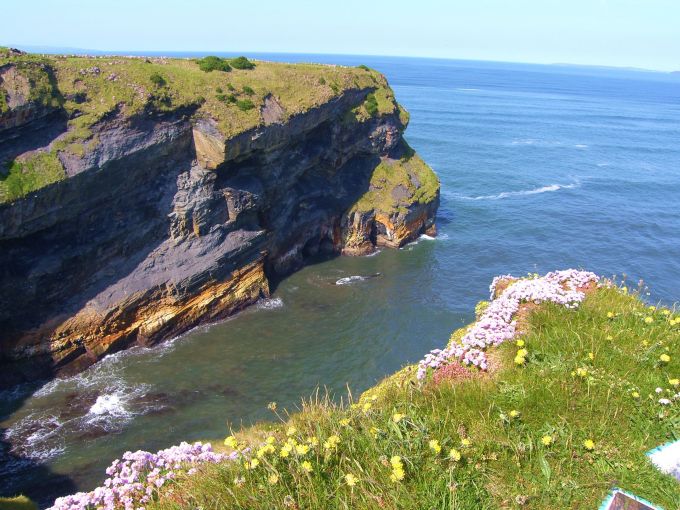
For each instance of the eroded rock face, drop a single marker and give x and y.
(164, 224)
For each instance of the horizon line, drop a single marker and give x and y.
(68, 50)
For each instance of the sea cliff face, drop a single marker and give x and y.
(129, 219)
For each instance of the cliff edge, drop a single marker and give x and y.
(140, 197)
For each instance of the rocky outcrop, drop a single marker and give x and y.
(163, 222)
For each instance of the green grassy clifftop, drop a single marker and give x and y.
(559, 430)
(238, 95)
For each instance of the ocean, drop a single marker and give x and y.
(541, 167)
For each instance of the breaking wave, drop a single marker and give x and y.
(350, 279)
(270, 303)
(509, 194)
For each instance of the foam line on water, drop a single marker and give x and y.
(509, 194)
(270, 303)
(350, 279)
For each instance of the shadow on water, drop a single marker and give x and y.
(22, 475)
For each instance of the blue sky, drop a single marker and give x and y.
(640, 33)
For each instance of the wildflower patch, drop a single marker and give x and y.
(498, 322)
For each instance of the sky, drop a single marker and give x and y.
(624, 33)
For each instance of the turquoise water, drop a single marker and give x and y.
(541, 168)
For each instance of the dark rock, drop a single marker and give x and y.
(163, 224)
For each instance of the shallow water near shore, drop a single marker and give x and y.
(542, 168)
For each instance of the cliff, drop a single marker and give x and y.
(141, 197)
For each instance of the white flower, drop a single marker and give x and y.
(664, 401)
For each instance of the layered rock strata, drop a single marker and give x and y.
(161, 222)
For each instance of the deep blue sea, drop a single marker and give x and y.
(541, 167)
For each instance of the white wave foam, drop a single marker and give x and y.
(602, 164)
(425, 237)
(270, 304)
(36, 436)
(581, 146)
(108, 404)
(535, 191)
(536, 141)
(373, 253)
(524, 141)
(350, 279)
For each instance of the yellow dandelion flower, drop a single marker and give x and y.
(351, 480)
(454, 455)
(520, 343)
(291, 431)
(664, 358)
(253, 463)
(648, 320)
(666, 312)
(307, 466)
(366, 406)
(635, 394)
(589, 444)
(302, 449)
(397, 417)
(652, 308)
(522, 352)
(674, 382)
(344, 422)
(591, 356)
(520, 360)
(581, 372)
(271, 440)
(514, 413)
(397, 476)
(231, 442)
(547, 440)
(645, 343)
(331, 443)
(285, 450)
(465, 442)
(395, 461)
(609, 337)
(610, 315)
(435, 446)
(273, 479)
(313, 440)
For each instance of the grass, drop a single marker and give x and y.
(458, 444)
(91, 88)
(411, 174)
(23, 177)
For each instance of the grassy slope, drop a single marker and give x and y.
(126, 84)
(506, 465)
(410, 172)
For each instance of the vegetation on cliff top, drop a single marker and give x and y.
(398, 183)
(558, 431)
(26, 175)
(596, 388)
(90, 89)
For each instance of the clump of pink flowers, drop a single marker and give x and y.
(134, 480)
(497, 324)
